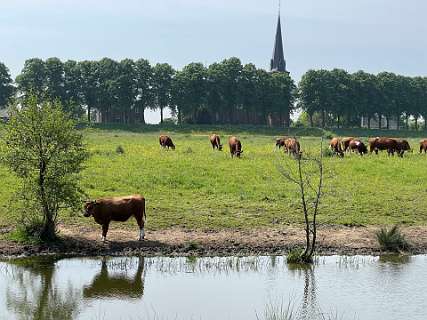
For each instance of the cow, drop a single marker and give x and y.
(359, 146)
(345, 142)
(166, 142)
(336, 147)
(402, 146)
(235, 147)
(292, 147)
(215, 141)
(381, 143)
(423, 146)
(280, 142)
(105, 210)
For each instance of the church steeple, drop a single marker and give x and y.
(278, 62)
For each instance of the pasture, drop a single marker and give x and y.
(197, 188)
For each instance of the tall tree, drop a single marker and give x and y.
(32, 78)
(90, 85)
(144, 89)
(163, 74)
(6, 87)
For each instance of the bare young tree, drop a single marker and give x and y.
(308, 177)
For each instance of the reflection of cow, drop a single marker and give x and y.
(107, 284)
(336, 147)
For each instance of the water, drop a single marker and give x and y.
(212, 288)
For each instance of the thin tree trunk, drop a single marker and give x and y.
(88, 113)
(310, 116)
(369, 122)
(379, 121)
(161, 114)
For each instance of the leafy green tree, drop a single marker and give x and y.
(46, 152)
(190, 94)
(90, 83)
(163, 74)
(144, 89)
(7, 89)
(73, 96)
(32, 79)
(126, 90)
(284, 94)
(54, 79)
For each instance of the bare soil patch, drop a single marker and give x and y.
(85, 241)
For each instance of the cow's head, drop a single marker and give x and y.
(89, 208)
(238, 153)
(220, 147)
(172, 146)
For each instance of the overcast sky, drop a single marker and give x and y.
(373, 35)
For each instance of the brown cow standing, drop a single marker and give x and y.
(346, 143)
(293, 147)
(235, 147)
(336, 147)
(377, 144)
(402, 146)
(423, 146)
(215, 141)
(166, 142)
(280, 142)
(121, 209)
(359, 146)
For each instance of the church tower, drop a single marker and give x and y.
(278, 62)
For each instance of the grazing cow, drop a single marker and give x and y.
(166, 142)
(121, 209)
(423, 146)
(359, 146)
(215, 141)
(346, 143)
(280, 142)
(235, 147)
(402, 146)
(378, 144)
(336, 147)
(292, 147)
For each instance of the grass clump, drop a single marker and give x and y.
(327, 152)
(280, 312)
(192, 246)
(392, 239)
(120, 150)
(295, 256)
(28, 232)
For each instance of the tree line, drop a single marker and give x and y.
(221, 93)
(337, 98)
(226, 92)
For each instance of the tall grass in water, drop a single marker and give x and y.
(278, 312)
(392, 239)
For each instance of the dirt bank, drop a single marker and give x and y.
(85, 241)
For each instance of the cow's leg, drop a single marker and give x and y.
(141, 222)
(104, 231)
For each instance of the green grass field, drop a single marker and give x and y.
(197, 188)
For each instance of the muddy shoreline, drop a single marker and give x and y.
(340, 240)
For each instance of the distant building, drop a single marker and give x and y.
(278, 64)
(4, 115)
(375, 124)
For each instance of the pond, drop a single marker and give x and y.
(359, 287)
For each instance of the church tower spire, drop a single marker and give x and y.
(278, 62)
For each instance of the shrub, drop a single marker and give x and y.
(327, 152)
(46, 153)
(120, 150)
(295, 256)
(391, 240)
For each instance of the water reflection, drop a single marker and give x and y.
(108, 283)
(34, 296)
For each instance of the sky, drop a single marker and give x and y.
(370, 35)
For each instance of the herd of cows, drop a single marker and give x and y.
(105, 210)
(338, 145)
